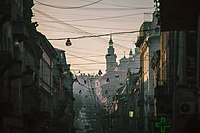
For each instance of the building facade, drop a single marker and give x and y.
(179, 65)
(148, 42)
(27, 73)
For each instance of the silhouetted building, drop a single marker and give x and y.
(27, 66)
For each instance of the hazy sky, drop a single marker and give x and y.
(77, 18)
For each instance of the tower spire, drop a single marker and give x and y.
(131, 53)
(110, 42)
(111, 63)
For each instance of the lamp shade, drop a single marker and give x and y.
(68, 42)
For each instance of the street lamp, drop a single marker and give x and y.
(68, 42)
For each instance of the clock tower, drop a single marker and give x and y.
(111, 63)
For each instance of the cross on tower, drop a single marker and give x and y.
(162, 125)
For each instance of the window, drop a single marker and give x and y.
(62, 56)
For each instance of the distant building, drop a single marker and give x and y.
(111, 63)
(132, 62)
(112, 88)
(115, 76)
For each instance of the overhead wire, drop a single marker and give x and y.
(85, 58)
(84, 69)
(93, 56)
(85, 53)
(138, 19)
(59, 13)
(82, 7)
(100, 18)
(65, 7)
(88, 70)
(87, 26)
(86, 64)
(100, 35)
(80, 48)
(124, 61)
(72, 27)
(98, 27)
(61, 22)
(80, 31)
(96, 17)
(126, 36)
(103, 3)
(85, 7)
(117, 9)
(59, 29)
(78, 52)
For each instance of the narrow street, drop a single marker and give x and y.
(99, 66)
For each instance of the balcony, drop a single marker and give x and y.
(20, 31)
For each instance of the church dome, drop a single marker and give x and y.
(123, 59)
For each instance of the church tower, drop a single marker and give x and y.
(130, 55)
(111, 63)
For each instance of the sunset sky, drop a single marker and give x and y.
(77, 18)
